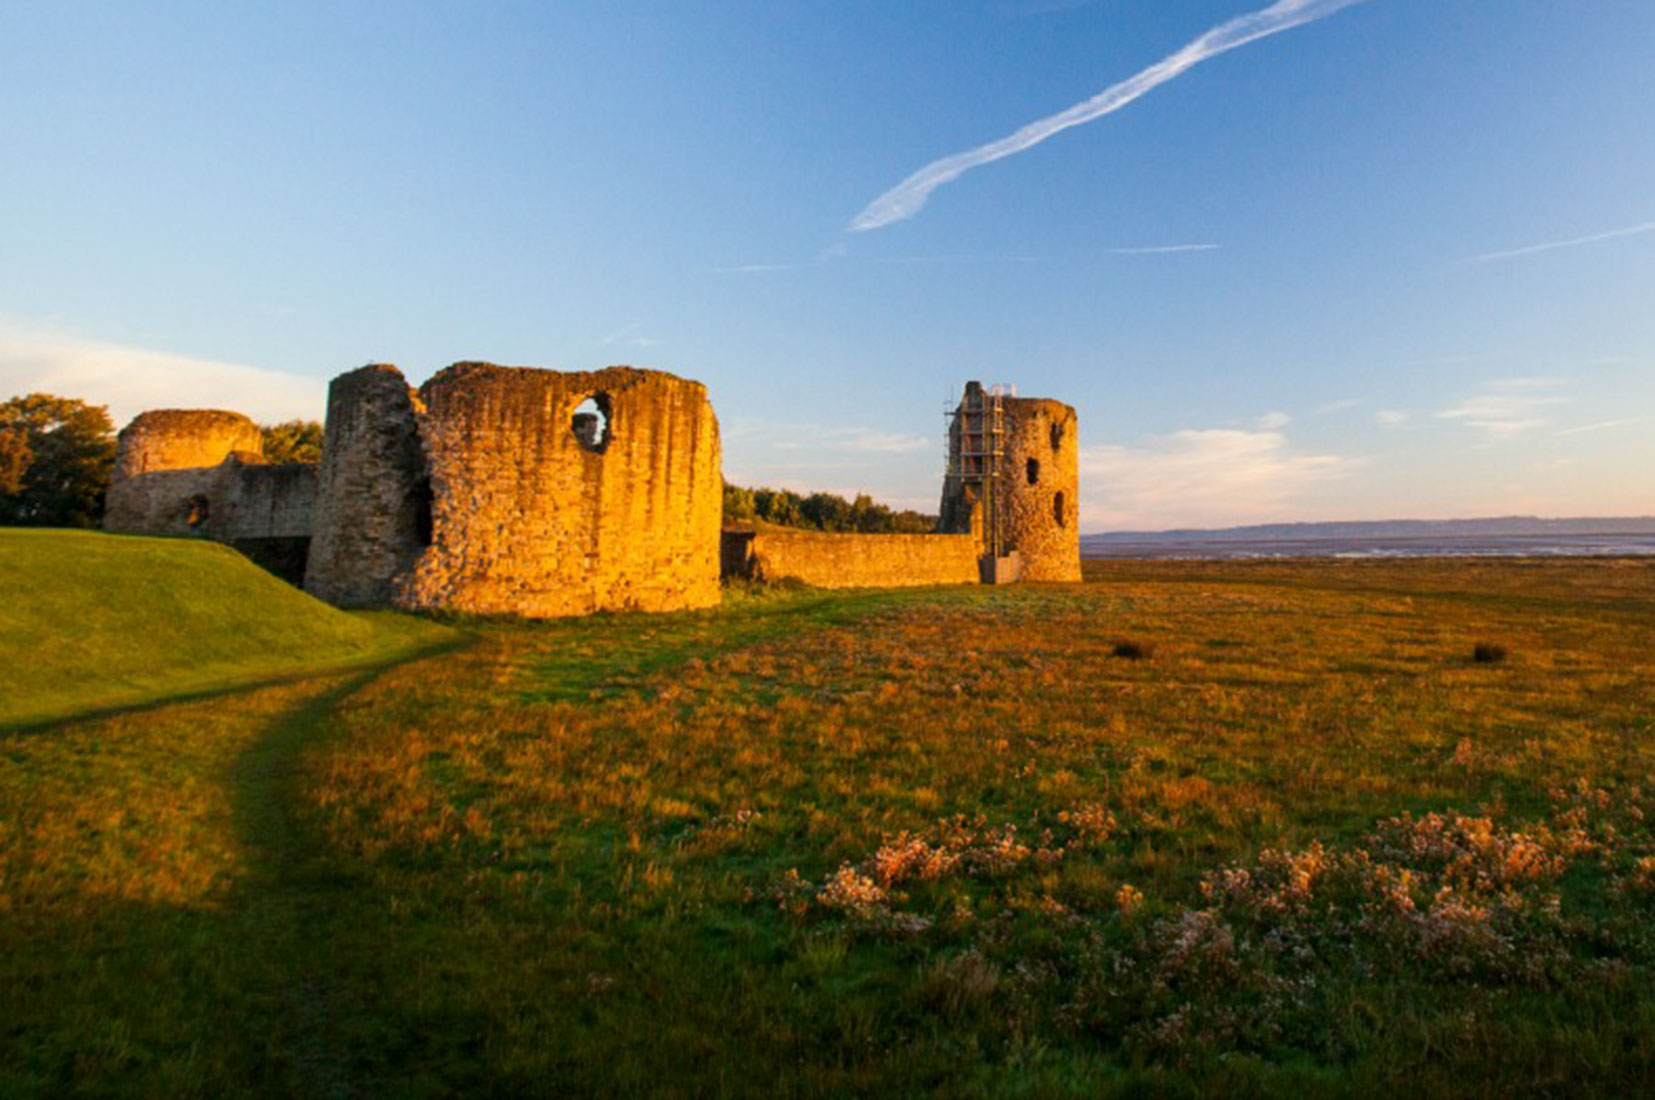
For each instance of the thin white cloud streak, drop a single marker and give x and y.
(1574, 242)
(1391, 418)
(1164, 249)
(794, 437)
(751, 269)
(130, 380)
(1199, 478)
(1344, 404)
(1508, 407)
(1603, 425)
(908, 197)
(630, 337)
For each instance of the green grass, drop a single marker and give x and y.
(93, 621)
(769, 850)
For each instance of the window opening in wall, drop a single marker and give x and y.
(591, 422)
(1057, 509)
(423, 523)
(199, 510)
(1034, 471)
(1057, 435)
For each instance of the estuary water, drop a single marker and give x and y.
(1468, 546)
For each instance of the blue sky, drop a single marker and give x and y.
(1297, 280)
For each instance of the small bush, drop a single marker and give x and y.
(1488, 653)
(1132, 651)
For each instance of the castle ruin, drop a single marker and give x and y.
(516, 490)
(202, 472)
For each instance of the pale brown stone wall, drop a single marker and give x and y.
(842, 560)
(370, 524)
(530, 519)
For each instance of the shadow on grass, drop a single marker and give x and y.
(264, 988)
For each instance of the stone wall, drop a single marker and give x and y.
(835, 560)
(536, 514)
(372, 517)
(163, 461)
(177, 439)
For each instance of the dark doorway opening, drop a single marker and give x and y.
(424, 524)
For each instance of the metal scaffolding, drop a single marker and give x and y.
(978, 459)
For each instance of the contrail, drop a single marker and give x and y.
(906, 198)
(1629, 231)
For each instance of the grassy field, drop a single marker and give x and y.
(94, 621)
(955, 842)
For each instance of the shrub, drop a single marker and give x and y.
(1488, 653)
(1132, 651)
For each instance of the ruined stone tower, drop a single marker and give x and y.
(373, 512)
(1013, 474)
(186, 445)
(202, 472)
(494, 489)
(542, 508)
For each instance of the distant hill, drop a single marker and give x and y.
(1497, 527)
(89, 621)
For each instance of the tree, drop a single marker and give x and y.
(55, 458)
(292, 441)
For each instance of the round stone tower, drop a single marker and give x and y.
(564, 493)
(163, 464)
(181, 439)
(1038, 511)
(1013, 477)
(373, 513)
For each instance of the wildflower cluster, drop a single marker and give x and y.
(1261, 954)
(958, 846)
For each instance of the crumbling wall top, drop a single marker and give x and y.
(176, 439)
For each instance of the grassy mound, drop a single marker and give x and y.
(90, 621)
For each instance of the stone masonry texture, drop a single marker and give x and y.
(165, 459)
(843, 560)
(535, 515)
(372, 500)
(1037, 511)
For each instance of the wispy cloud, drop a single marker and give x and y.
(1029, 8)
(630, 336)
(773, 435)
(906, 198)
(132, 379)
(1391, 418)
(1573, 242)
(1508, 407)
(1344, 404)
(1271, 421)
(1200, 478)
(1164, 249)
(857, 439)
(1604, 425)
(753, 269)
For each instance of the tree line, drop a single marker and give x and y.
(820, 512)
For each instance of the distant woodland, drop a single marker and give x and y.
(819, 512)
